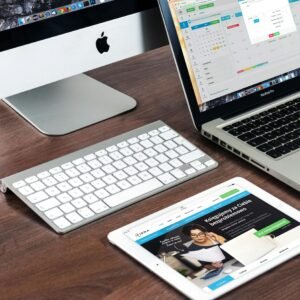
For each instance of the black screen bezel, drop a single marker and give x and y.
(69, 22)
(228, 109)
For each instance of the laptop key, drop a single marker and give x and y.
(274, 143)
(283, 139)
(293, 146)
(257, 142)
(283, 150)
(246, 137)
(265, 147)
(274, 154)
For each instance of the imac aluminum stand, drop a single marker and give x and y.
(70, 104)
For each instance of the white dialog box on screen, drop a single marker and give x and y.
(267, 19)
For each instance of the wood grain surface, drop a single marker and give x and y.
(36, 263)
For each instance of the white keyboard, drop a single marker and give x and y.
(86, 185)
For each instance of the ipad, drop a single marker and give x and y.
(214, 241)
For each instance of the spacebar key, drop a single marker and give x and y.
(133, 192)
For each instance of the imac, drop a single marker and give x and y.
(45, 46)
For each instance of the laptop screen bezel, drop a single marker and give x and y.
(226, 110)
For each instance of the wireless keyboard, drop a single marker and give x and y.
(86, 185)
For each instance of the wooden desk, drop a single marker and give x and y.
(35, 263)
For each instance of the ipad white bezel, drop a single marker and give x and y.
(175, 279)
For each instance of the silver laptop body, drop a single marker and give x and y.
(240, 73)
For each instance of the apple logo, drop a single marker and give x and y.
(102, 44)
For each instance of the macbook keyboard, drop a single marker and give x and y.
(275, 132)
(86, 185)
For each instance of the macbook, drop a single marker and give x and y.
(239, 63)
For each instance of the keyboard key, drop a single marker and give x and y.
(156, 140)
(168, 135)
(87, 188)
(112, 189)
(164, 128)
(97, 173)
(43, 175)
(55, 170)
(293, 146)
(247, 136)
(67, 208)
(176, 163)
(153, 132)
(102, 193)
(74, 217)
(64, 198)
(155, 171)
(274, 153)
(98, 184)
(126, 151)
(120, 175)
(75, 182)
(123, 184)
(76, 193)
(144, 136)
(85, 212)
(210, 163)
(95, 164)
(54, 213)
(122, 144)
(90, 198)
(47, 204)
(131, 171)
(90, 157)
(62, 223)
(87, 177)
(141, 166)
(108, 169)
(265, 147)
(101, 152)
(72, 172)
(134, 180)
(150, 152)
(37, 197)
(84, 168)
(112, 148)
(147, 144)
(52, 191)
(99, 207)
(166, 167)
(257, 141)
(133, 192)
(78, 161)
(166, 178)
(130, 161)
(181, 150)
(50, 181)
(64, 186)
(38, 186)
(162, 158)
(79, 203)
(109, 179)
(283, 150)
(191, 156)
(19, 184)
(116, 155)
(145, 176)
(178, 173)
(67, 166)
(31, 179)
(190, 171)
(105, 160)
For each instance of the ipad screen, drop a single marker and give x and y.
(214, 239)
